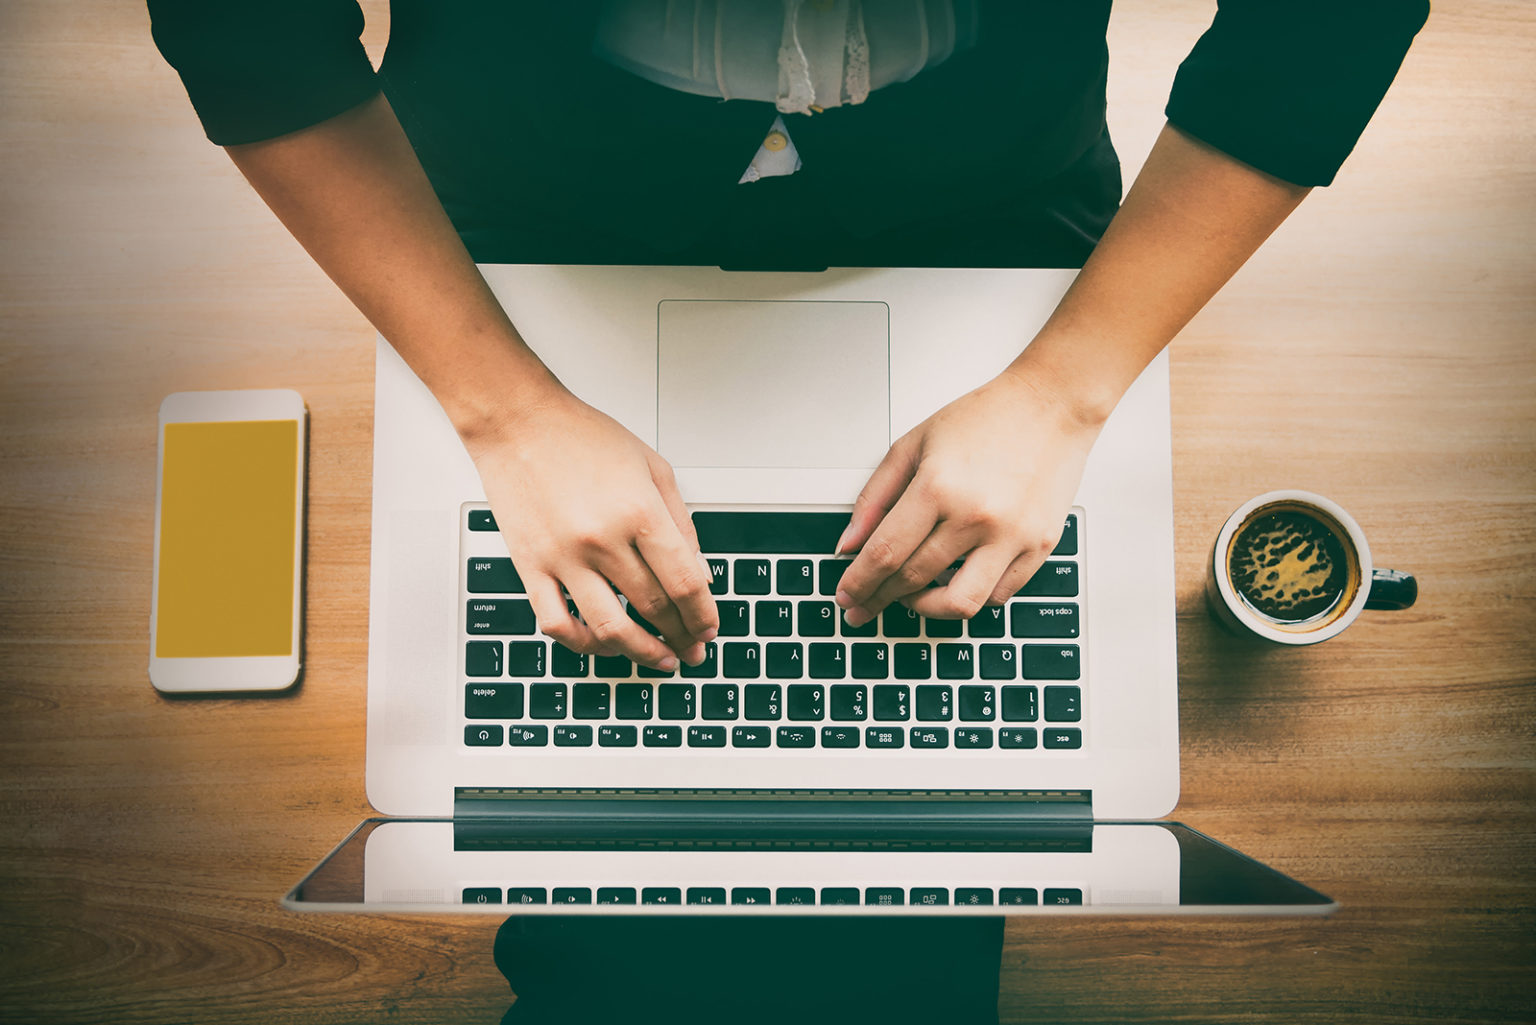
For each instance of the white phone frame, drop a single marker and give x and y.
(235, 673)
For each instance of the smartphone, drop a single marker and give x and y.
(227, 610)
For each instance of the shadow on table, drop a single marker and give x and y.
(745, 970)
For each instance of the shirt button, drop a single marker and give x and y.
(775, 142)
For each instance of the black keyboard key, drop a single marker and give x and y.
(750, 895)
(751, 736)
(837, 737)
(944, 628)
(742, 660)
(829, 574)
(721, 701)
(900, 621)
(677, 700)
(796, 736)
(850, 702)
(1068, 543)
(615, 736)
(869, 629)
(887, 737)
(751, 576)
(884, 896)
(1053, 580)
(817, 618)
(893, 702)
(735, 618)
(482, 658)
(1063, 704)
(795, 895)
(527, 736)
(839, 895)
(871, 661)
(930, 736)
(764, 700)
(956, 661)
(615, 894)
(612, 667)
(566, 663)
(481, 519)
(705, 670)
(548, 700)
(1018, 896)
(978, 704)
(525, 658)
(527, 895)
(590, 701)
(828, 661)
(1017, 738)
(634, 700)
(999, 662)
(499, 616)
(662, 736)
(930, 896)
(786, 660)
(719, 581)
(706, 736)
(1051, 662)
(1062, 896)
(988, 622)
(573, 736)
(571, 895)
(935, 703)
(1033, 620)
(706, 895)
(775, 619)
(975, 738)
(661, 895)
(913, 661)
(644, 624)
(794, 576)
(493, 576)
(493, 701)
(807, 702)
(482, 736)
(480, 895)
(973, 896)
(1021, 704)
(1062, 739)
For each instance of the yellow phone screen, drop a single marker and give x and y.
(227, 534)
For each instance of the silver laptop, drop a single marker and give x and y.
(773, 396)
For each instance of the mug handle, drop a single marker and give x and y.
(1392, 589)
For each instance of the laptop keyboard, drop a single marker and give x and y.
(786, 671)
(872, 896)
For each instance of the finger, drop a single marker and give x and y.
(905, 527)
(666, 487)
(1017, 575)
(680, 575)
(938, 551)
(881, 492)
(648, 599)
(969, 590)
(611, 625)
(554, 617)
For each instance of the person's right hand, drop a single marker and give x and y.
(585, 505)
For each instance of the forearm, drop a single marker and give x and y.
(1192, 218)
(354, 195)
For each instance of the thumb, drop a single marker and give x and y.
(666, 486)
(884, 487)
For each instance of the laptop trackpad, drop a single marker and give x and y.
(773, 384)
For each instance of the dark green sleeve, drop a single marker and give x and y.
(258, 70)
(1287, 86)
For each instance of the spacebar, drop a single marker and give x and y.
(769, 533)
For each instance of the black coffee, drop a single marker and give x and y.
(1288, 566)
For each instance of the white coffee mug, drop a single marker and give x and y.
(1292, 567)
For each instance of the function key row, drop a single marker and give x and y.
(771, 701)
(972, 738)
(873, 896)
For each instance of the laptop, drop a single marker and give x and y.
(807, 764)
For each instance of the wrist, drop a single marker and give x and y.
(1061, 373)
(493, 390)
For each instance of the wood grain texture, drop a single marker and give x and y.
(1378, 350)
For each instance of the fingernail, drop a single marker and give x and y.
(857, 617)
(709, 571)
(838, 549)
(709, 635)
(667, 664)
(695, 656)
(843, 600)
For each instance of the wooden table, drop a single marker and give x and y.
(1379, 350)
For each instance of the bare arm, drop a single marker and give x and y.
(962, 485)
(581, 501)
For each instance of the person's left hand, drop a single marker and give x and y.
(988, 479)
